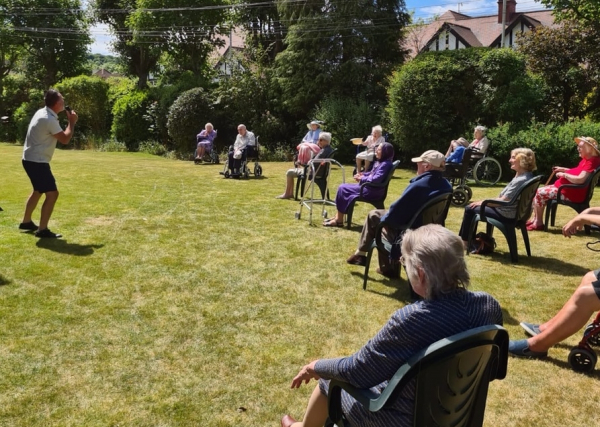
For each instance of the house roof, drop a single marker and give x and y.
(475, 31)
(236, 41)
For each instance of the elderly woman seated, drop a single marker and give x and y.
(590, 160)
(435, 264)
(480, 143)
(349, 192)
(372, 142)
(205, 141)
(522, 161)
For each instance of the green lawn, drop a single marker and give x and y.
(180, 298)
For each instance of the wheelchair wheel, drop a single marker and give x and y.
(582, 360)
(593, 340)
(226, 174)
(246, 173)
(257, 170)
(459, 197)
(487, 171)
(214, 157)
(468, 190)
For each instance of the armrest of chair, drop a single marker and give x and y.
(496, 202)
(371, 185)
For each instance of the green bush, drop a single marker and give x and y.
(346, 119)
(186, 118)
(25, 112)
(552, 143)
(152, 147)
(88, 96)
(112, 146)
(129, 124)
(439, 96)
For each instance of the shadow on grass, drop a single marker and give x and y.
(64, 247)
(401, 291)
(4, 281)
(540, 263)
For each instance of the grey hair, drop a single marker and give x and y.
(378, 129)
(439, 253)
(326, 136)
(526, 158)
(241, 127)
(481, 128)
(208, 124)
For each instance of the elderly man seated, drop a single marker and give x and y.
(428, 183)
(237, 153)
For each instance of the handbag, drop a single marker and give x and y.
(484, 244)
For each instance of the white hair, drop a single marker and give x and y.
(480, 128)
(377, 129)
(439, 254)
(326, 136)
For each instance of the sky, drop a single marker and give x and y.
(422, 9)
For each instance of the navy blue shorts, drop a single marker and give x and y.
(40, 176)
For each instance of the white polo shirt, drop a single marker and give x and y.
(40, 142)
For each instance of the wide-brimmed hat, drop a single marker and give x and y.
(314, 122)
(434, 158)
(588, 140)
(461, 141)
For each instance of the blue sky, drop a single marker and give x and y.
(422, 9)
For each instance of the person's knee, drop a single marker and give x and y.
(52, 195)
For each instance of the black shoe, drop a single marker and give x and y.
(28, 226)
(46, 233)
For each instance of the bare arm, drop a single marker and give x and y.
(65, 136)
(575, 179)
(590, 216)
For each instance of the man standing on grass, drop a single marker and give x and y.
(40, 142)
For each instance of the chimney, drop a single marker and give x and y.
(511, 9)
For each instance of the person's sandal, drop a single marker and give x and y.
(332, 223)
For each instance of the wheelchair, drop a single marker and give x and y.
(485, 171)
(583, 358)
(250, 154)
(210, 155)
(457, 175)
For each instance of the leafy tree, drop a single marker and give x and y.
(568, 60)
(130, 123)
(585, 11)
(11, 48)
(140, 58)
(97, 61)
(338, 47)
(263, 25)
(58, 47)
(184, 30)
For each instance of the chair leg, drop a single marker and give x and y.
(554, 209)
(511, 239)
(368, 264)
(526, 239)
(547, 216)
(349, 215)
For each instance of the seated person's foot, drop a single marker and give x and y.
(30, 226)
(531, 328)
(284, 196)
(332, 223)
(357, 260)
(388, 272)
(521, 348)
(535, 227)
(287, 421)
(46, 233)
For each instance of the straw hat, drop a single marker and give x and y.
(589, 141)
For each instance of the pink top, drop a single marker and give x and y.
(577, 195)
